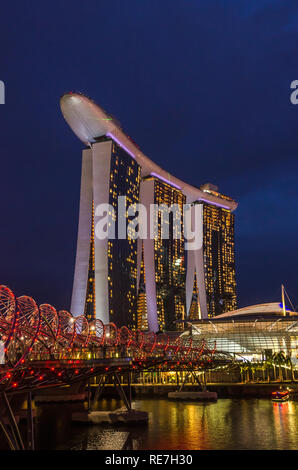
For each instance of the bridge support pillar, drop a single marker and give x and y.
(124, 415)
(15, 439)
(30, 422)
(98, 392)
(120, 390)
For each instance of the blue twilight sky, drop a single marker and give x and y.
(202, 86)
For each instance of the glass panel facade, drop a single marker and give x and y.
(90, 312)
(142, 320)
(249, 337)
(125, 176)
(219, 259)
(169, 260)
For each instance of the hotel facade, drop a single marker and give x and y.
(145, 283)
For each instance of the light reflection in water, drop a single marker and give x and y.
(227, 424)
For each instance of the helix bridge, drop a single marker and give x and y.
(43, 347)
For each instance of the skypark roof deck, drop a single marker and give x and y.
(90, 122)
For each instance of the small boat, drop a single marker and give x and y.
(280, 395)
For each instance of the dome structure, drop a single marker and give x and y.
(256, 311)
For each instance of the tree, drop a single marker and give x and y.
(289, 363)
(262, 367)
(253, 370)
(280, 359)
(242, 372)
(270, 363)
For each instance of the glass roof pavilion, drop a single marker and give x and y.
(250, 332)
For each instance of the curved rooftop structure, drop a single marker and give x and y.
(255, 311)
(90, 123)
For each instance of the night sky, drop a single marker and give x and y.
(203, 87)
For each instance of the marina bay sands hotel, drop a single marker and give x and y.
(145, 283)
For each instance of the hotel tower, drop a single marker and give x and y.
(152, 283)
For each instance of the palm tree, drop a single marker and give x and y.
(253, 370)
(241, 373)
(288, 362)
(243, 369)
(279, 359)
(262, 367)
(270, 363)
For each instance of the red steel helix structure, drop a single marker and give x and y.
(29, 332)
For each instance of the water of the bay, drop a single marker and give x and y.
(228, 424)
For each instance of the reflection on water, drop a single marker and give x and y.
(227, 424)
